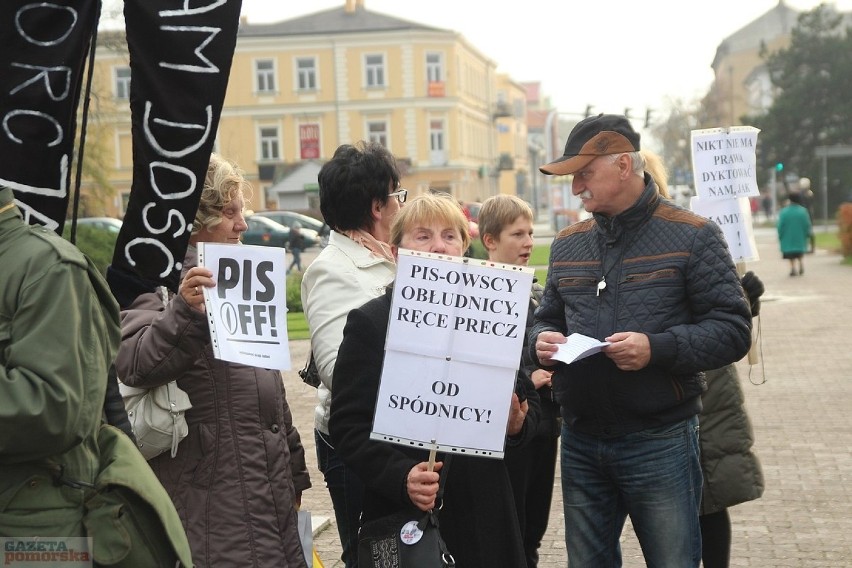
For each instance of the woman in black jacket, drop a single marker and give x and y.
(478, 520)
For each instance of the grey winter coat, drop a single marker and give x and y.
(732, 472)
(236, 475)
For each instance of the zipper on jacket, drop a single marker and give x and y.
(648, 276)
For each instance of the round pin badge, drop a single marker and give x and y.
(410, 533)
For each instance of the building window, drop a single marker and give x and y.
(306, 68)
(434, 67)
(437, 155)
(269, 143)
(264, 70)
(377, 131)
(374, 67)
(436, 135)
(122, 82)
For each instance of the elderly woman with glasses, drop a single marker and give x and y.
(359, 197)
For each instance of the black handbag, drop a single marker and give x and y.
(310, 373)
(405, 539)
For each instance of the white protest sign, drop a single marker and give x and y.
(724, 162)
(734, 218)
(247, 309)
(453, 348)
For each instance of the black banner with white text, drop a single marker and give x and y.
(180, 60)
(43, 50)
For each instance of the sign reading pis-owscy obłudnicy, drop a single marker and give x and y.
(247, 309)
(452, 353)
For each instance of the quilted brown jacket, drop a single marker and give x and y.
(237, 473)
(669, 275)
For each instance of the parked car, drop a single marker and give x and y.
(287, 218)
(110, 224)
(264, 231)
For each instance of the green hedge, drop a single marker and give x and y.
(294, 292)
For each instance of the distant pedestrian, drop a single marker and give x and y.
(297, 245)
(807, 195)
(766, 202)
(794, 233)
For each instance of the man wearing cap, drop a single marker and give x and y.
(658, 283)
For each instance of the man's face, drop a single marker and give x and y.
(598, 185)
(514, 243)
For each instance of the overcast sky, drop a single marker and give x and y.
(612, 54)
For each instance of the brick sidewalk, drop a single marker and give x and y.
(800, 415)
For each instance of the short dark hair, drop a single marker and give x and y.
(355, 176)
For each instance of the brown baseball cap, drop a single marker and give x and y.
(592, 137)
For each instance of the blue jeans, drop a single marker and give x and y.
(653, 475)
(347, 495)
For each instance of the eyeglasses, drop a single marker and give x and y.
(400, 194)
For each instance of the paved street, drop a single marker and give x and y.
(801, 415)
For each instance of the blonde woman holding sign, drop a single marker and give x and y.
(238, 476)
(478, 520)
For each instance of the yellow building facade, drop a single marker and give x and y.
(300, 88)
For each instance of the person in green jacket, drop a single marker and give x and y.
(794, 232)
(64, 473)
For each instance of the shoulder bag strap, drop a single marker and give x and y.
(447, 559)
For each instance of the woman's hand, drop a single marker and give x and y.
(517, 415)
(191, 287)
(422, 485)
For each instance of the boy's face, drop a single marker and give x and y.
(514, 243)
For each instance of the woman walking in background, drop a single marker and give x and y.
(794, 233)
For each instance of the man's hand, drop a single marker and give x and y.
(541, 378)
(546, 346)
(630, 351)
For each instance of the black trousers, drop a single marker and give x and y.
(531, 470)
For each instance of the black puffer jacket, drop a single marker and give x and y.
(668, 274)
(732, 472)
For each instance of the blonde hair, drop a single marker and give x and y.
(223, 183)
(426, 209)
(499, 211)
(655, 168)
